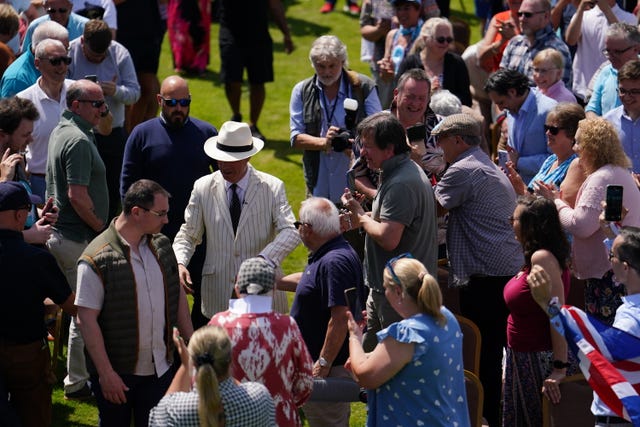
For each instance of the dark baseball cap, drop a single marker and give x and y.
(14, 196)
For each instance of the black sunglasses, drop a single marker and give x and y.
(298, 224)
(53, 10)
(393, 261)
(443, 39)
(172, 102)
(553, 130)
(529, 14)
(59, 60)
(94, 104)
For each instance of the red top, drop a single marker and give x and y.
(268, 348)
(528, 325)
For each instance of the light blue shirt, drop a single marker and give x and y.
(75, 26)
(430, 388)
(629, 132)
(116, 65)
(556, 176)
(605, 92)
(526, 133)
(21, 74)
(332, 173)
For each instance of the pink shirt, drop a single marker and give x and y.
(590, 257)
(559, 92)
(268, 348)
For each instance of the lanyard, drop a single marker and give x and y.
(335, 103)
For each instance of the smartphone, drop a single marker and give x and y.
(416, 133)
(613, 211)
(351, 295)
(503, 158)
(47, 208)
(91, 77)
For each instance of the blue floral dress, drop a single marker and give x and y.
(429, 390)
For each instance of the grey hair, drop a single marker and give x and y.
(322, 214)
(328, 47)
(44, 44)
(622, 30)
(444, 103)
(49, 30)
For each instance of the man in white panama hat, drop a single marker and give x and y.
(244, 212)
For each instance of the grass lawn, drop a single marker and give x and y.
(277, 158)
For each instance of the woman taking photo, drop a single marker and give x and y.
(604, 163)
(536, 357)
(415, 371)
(559, 168)
(446, 70)
(215, 400)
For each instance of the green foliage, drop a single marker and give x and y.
(277, 158)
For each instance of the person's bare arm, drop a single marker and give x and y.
(68, 305)
(184, 318)
(83, 205)
(113, 388)
(574, 30)
(289, 282)
(277, 12)
(335, 336)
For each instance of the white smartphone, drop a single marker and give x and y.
(503, 158)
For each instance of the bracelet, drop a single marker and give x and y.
(559, 364)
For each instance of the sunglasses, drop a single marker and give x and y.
(529, 14)
(392, 261)
(94, 104)
(298, 224)
(443, 39)
(58, 60)
(172, 102)
(553, 130)
(60, 10)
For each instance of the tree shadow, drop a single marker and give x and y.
(282, 150)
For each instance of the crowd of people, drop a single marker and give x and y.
(402, 177)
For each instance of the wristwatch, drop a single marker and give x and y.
(559, 364)
(323, 362)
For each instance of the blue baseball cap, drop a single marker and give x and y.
(14, 196)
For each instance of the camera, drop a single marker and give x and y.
(341, 141)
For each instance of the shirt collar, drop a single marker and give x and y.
(242, 184)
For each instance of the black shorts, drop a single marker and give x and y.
(257, 59)
(145, 52)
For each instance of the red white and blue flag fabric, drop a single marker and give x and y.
(609, 359)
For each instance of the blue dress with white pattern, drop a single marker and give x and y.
(429, 390)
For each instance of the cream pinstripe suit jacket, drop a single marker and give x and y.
(265, 227)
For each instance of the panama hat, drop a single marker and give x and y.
(233, 143)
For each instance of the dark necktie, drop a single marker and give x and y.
(235, 208)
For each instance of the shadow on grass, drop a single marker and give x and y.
(61, 415)
(282, 151)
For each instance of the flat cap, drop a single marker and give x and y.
(458, 124)
(255, 277)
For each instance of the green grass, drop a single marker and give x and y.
(277, 158)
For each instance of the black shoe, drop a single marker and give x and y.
(256, 133)
(83, 394)
(236, 117)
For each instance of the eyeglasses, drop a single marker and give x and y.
(94, 104)
(392, 261)
(172, 102)
(443, 39)
(529, 14)
(298, 224)
(553, 130)
(543, 70)
(156, 213)
(58, 60)
(632, 92)
(60, 10)
(616, 52)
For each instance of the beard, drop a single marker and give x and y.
(176, 119)
(329, 81)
